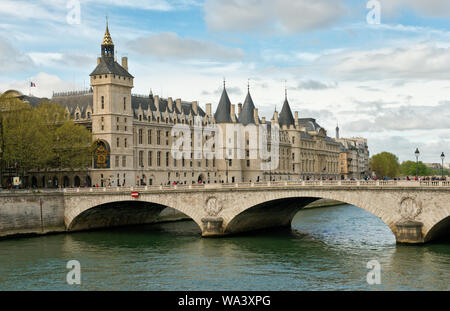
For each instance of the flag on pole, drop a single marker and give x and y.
(33, 84)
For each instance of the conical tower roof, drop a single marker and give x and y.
(247, 115)
(286, 117)
(107, 40)
(223, 112)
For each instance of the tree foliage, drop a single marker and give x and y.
(408, 168)
(42, 137)
(385, 164)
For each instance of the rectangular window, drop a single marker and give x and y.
(117, 161)
(158, 158)
(124, 161)
(149, 137)
(126, 145)
(140, 136)
(150, 158)
(158, 137)
(103, 102)
(167, 159)
(124, 103)
(141, 158)
(118, 142)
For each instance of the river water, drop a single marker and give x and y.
(326, 249)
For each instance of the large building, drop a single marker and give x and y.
(354, 157)
(133, 136)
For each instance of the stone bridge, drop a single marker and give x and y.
(416, 212)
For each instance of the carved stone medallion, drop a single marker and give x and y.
(409, 208)
(212, 207)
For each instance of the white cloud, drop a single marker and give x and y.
(285, 16)
(423, 61)
(46, 84)
(429, 8)
(12, 60)
(171, 46)
(315, 85)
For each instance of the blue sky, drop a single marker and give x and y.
(387, 82)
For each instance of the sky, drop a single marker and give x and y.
(379, 69)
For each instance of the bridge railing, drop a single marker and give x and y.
(265, 184)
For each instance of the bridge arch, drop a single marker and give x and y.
(278, 208)
(92, 212)
(440, 230)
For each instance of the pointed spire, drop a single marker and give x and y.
(286, 117)
(247, 115)
(107, 40)
(223, 112)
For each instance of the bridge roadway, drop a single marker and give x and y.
(416, 212)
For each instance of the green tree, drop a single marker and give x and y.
(72, 146)
(41, 137)
(385, 164)
(408, 168)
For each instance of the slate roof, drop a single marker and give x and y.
(223, 112)
(108, 65)
(247, 115)
(71, 102)
(286, 117)
(310, 124)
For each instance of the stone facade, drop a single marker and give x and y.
(354, 157)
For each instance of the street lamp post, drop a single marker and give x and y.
(442, 168)
(417, 153)
(227, 164)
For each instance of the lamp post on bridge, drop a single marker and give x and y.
(417, 153)
(442, 167)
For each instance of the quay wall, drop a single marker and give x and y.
(31, 213)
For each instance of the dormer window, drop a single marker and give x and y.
(77, 116)
(88, 115)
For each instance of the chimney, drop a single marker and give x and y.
(296, 119)
(263, 120)
(233, 112)
(178, 101)
(125, 63)
(156, 98)
(255, 115)
(170, 103)
(208, 109)
(195, 107)
(98, 60)
(275, 116)
(239, 109)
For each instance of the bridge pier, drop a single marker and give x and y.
(212, 226)
(409, 232)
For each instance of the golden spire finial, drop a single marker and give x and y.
(107, 39)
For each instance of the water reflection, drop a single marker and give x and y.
(326, 249)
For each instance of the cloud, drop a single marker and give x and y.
(230, 91)
(405, 118)
(428, 8)
(423, 61)
(12, 60)
(315, 85)
(285, 16)
(60, 59)
(169, 46)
